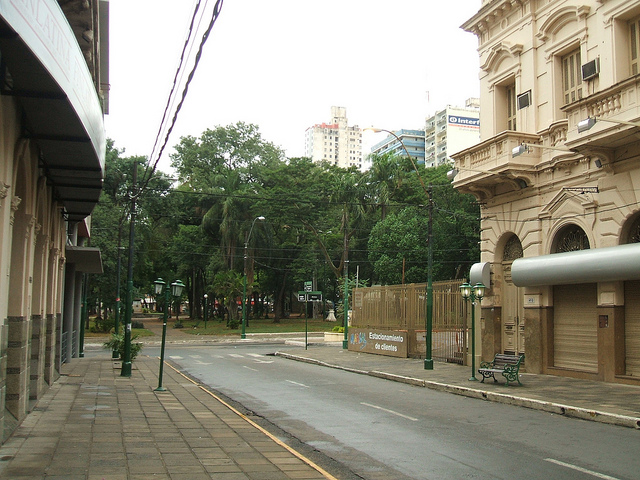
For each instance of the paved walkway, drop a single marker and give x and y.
(94, 424)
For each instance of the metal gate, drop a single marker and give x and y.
(575, 327)
(632, 328)
(403, 307)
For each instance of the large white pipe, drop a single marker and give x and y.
(584, 266)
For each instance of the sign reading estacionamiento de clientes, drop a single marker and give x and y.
(381, 342)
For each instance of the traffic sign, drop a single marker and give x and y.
(302, 296)
(315, 296)
(308, 286)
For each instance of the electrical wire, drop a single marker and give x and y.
(214, 17)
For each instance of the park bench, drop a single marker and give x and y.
(507, 365)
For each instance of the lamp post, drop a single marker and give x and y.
(473, 293)
(205, 310)
(116, 353)
(244, 288)
(428, 360)
(176, 291)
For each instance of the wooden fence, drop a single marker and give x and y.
(404, 307)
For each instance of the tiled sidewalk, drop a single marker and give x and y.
(94, 424)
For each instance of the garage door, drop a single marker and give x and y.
(632, 327)
(575, 327)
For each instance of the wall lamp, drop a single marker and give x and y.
(589, 122)
(524, 148)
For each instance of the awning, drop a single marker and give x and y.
(86, 259)
(63, 115)
(584, 266)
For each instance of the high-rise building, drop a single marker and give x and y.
(335, 142)
(413, 141)
(451, 130)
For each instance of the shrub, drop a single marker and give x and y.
(137, 324)
(102, 325)
(338, 329)
(116, 342)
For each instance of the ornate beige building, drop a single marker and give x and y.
(53, 68)
(557, 173)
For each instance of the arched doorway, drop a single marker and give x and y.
(512, 302)
(575, 315)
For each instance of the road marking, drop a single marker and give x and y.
(580, 469)
(263, 361)
(255, 355)
(176, 357)
(236, 355)
(389, 411)
(299, 384)
(195, 356)
(249, 368)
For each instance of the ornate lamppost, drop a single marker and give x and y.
(176, 291)
(473, 293)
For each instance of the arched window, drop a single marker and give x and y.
(634, 231)
(571, 239)
(512, 249)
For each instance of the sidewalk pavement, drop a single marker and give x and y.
(93, 424)
(612, 403)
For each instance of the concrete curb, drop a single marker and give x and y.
(550, 407)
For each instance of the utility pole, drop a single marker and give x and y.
(428, 360)
(128, 304)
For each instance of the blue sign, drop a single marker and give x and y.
(464, 121)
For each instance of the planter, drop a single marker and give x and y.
(333, 336)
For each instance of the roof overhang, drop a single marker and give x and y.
(607, 264)
(62, 111)
(86, 259)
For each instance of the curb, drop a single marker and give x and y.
(549, 407)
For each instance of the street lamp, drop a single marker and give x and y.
(176, 291)
(205, 310)
(244, 289)
(473, 293)
(428, 360)
(524, 148)
(589, 122)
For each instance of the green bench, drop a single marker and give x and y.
(507, 365)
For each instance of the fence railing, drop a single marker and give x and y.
(403, 307)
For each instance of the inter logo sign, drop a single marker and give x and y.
(464, 121)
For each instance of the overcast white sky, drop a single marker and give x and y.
(282, 64)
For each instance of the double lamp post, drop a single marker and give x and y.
(176, 292)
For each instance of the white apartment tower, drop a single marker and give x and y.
(451, 130)
(335, 142)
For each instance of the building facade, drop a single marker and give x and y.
(451, 130)
(413, 141)
(335, 142)
(53, 64)
(557, 173)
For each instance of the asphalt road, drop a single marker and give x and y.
(377, 428)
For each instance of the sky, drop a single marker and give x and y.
(282, 65)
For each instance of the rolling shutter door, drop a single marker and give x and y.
(632, 327)
(575, 327)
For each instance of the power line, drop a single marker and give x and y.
(215, 14)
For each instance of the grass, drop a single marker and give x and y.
(286, 325)
(142, 332)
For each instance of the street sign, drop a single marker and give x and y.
(302, 296)
(308, 286)
(315, 296)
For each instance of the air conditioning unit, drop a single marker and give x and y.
(524, 99)
(591, 69)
